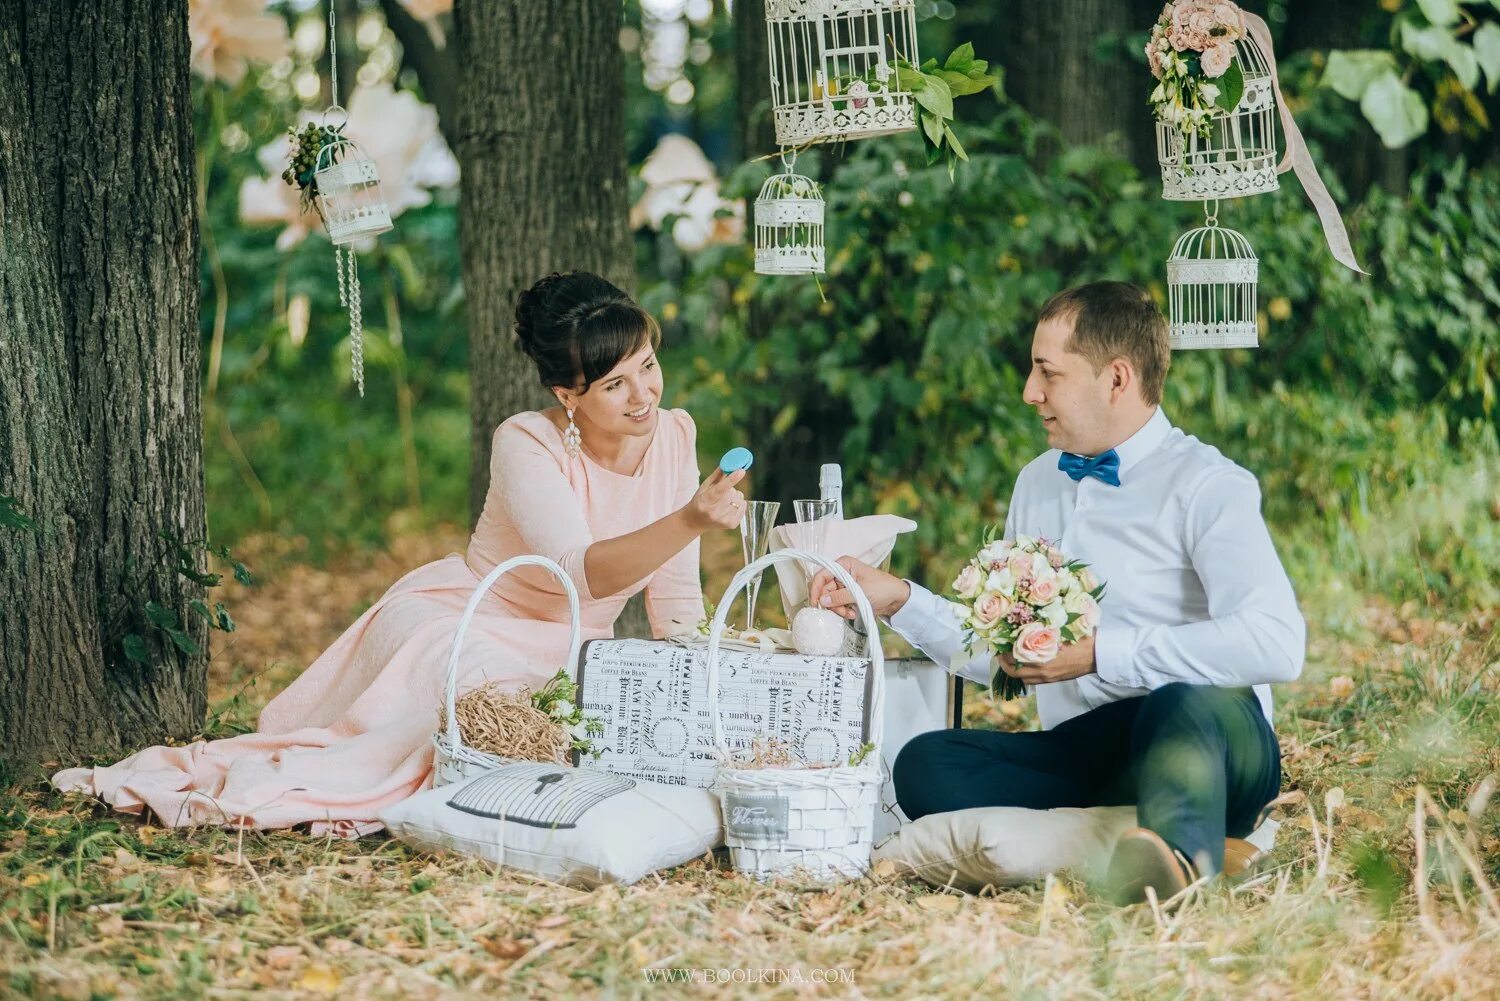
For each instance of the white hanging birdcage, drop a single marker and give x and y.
(789, 225)
(1235, 155)
(1211, 284)
(347, 188)
(833, 68)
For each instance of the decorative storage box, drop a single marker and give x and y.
(653, 700)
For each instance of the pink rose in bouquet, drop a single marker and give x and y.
(1037, 643)
(1024, 598)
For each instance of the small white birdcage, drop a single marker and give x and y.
(833, 68)
(1211, 283)
(347, 188)
(1236, 156)
(789, 225)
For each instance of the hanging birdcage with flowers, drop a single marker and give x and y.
(1212, 277)
(835, 68)
(789, 224)
(1215, 103)
(343, 184)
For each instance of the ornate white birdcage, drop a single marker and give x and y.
(1211, 284)
(789, 225)
(347, 189)
(1235, 154)
(833, 68)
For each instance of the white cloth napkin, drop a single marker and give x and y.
(869, 539)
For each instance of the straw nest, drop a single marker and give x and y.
(504, 723)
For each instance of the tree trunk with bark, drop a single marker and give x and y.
(541, 143)
(1069, 62)
(100, 427)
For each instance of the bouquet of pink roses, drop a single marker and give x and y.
(1192, 53)
(1026, 599)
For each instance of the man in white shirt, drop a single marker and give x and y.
(1168, 704)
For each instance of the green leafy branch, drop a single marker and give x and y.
(184, 559)
(934, 87)
(1450, 45)
(11, 515)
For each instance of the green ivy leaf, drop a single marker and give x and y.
(1487, 50)
(1350, 71)
(1443, 12)
(136, 650)
(1397, 112)
(936, 97)
(953, 144)
(201, 608)
(1231, 86)
(11, 516)
(242, 573)
(184, 642)
(161, 616)
(932, 128)
(961, 59)
(222, 619)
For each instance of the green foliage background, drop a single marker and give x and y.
(1369, 412)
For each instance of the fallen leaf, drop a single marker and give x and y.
(282, 957)
(34, 879)
(504, 948)
(555, 921)
(320, 980)
(944, 902)
(111, 926)
(1341, 687)
(884, 869)
(219, 884)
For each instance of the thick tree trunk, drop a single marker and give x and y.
(755, 132)
(1066, 62)
(541, 143)
(100, 428)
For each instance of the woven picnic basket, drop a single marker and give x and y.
(453, 761)
(813, 824)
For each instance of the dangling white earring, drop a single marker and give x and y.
(572, 439)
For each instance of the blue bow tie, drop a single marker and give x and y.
(1104, 467)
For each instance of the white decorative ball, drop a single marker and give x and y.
(817, 632)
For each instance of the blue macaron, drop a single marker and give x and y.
(735, 459)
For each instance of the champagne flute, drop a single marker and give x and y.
(815, 514)
(755, 541)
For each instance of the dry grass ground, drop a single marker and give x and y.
(1383, 883)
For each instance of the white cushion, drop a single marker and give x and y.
(1005, 845)
(579, 828)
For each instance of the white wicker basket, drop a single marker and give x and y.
(452, 760)
(816, 824)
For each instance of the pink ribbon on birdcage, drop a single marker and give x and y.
(1299, 159)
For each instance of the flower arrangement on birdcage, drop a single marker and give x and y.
(1214, 103)
(305, 148)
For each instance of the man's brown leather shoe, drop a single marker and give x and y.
(1240, 858)
(1141, 859)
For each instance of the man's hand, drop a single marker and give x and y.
(886, 593)
(1072, 661)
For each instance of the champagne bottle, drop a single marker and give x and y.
(831, 487)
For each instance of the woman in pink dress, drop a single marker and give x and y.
(606, 485)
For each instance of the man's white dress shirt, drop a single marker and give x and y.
(1194, 589)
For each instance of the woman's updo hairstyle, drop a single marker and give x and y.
(577, 327)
